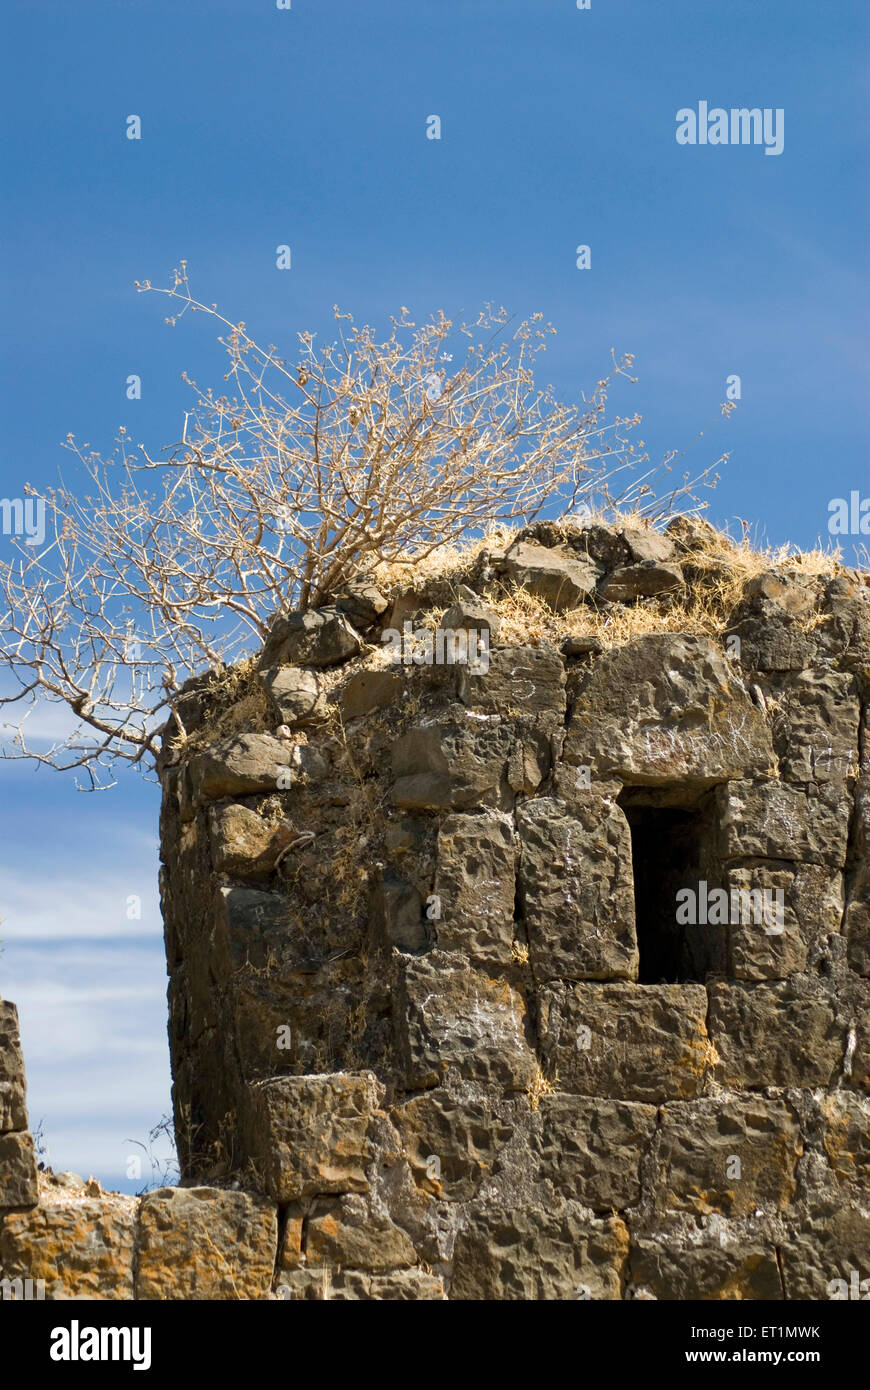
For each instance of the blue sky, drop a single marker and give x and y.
(306, 127)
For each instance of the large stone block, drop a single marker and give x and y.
(297, 695)
(345, 1232)
(475, 884)
(644, 580)
(734, 1156)
(453, 764)
(766, 944)
(13, 1089)
(577, 889)
(320, 637)
(529, 1253)
(452, 1141)
(847, 1141)
(591, 1150)
(308, 1135)
(241, 765)
(682, 1271)
(80, 1246)
(293, 1022)
(18, 1180)
(205, 1243)
(521, 683)
(452, 1018)
(769, 819)
(663, 709)
(397, 915)
(816, 727)
(644, 1043)
(244, 845)
(558, 577)
(829, 1257)
(788, 1034)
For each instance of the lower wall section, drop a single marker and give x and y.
(450, 1194)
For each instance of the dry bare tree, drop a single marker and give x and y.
(279, 492)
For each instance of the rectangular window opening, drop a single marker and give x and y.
(673, 849)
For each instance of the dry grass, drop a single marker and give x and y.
(539, 1086)
(721, 572)
(718, 574)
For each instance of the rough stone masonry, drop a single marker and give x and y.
(436, 1031)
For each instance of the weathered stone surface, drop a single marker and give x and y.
(643, 1043)
(770, 819)
(558, 577)
(452, 1140)
(475, 886)
(771, 643)
(351, 1285)
(664, 709)
(816, 727)
(576, 889)
(844, 633)
(449, 1017)
(367, 691)
(591, 1149)
(645, 544)
(847, 1141)
(533, 1254)
(319, 638)
(362, 603)
(692, 533)
(82, 1247)
(453, 764)
(789, 1032)
(857, 915)
(468, 615)
(522, 683)
(645, 580)
(603, 546)
(397, 914)
(240, 766)
(674, 1271)
(251, 927)
(829, 1258)
(203, 1243)
(18, 1183)
(796, 594)
(761, 946)
(346, 1232)
(292, 1020)
(308, 1135)
(735, 1156)
(243, 844)
(297, 694)
(13, 1089)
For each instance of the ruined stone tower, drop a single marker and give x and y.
(541, 973)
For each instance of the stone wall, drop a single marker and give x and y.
(437, 1029)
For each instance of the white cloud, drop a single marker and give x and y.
(93, 904)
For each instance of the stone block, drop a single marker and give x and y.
(645, 1043)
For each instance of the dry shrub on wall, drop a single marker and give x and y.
(364, 453)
